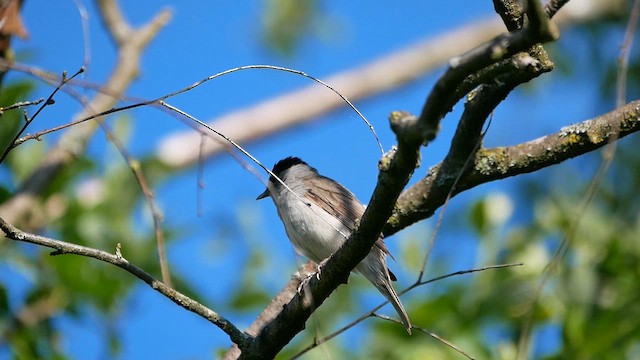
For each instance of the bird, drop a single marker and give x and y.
(319, 214)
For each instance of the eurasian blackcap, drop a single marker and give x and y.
(319, 217)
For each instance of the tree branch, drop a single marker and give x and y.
(422, 199)
(62, 247)
(440, 99)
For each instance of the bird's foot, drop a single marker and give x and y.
(306, 280)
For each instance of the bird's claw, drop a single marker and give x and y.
(306, 280)
(303, 283)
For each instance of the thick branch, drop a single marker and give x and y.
(440, 99)
(511, 13)
(118, 260)
(422, 199)
(275, 307)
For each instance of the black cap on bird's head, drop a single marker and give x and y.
(278, 169)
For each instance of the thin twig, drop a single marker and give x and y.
(461, 171)
(46, 103)
(142, 181)
(20, 104)
(198, 83)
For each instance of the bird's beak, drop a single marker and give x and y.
(264, 194)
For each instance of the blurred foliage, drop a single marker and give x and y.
(287, 23)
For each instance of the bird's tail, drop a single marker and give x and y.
(389, 292)
(378, 274)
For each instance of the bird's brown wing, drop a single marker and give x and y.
(341, 203)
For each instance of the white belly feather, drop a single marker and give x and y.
(312, 231)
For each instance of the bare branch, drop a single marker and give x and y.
(511, 13)
(28, 119)
(20, 104)
(423, 198)
(440, 101)
(62, 247)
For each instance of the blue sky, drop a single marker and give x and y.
(204, 38)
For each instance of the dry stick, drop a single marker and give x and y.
(62, 247)
(52, 78)
(608, 154)
(20, 104)
(129, 41)
(400, 293)
(28, 121)
(147, 191)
